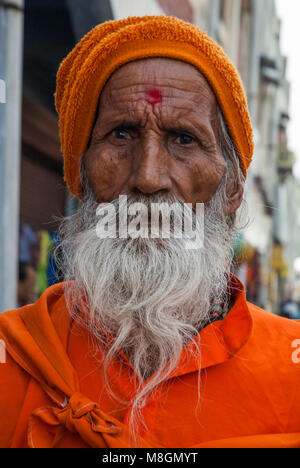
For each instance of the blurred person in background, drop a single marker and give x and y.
(27, 284)
(148, 343)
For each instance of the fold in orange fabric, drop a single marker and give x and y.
(53, 391)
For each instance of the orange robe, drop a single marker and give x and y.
(53, 392)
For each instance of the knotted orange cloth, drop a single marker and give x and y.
(53, 392)
(84, 72)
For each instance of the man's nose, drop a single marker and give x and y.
(151, 171)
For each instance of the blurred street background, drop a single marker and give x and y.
(36, 35)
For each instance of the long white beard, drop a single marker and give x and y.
(153, 296)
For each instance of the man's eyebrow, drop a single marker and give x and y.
(127, 125)
(117, 123)
(193, 128)
(180, 129)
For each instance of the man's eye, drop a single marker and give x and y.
(121, 134)
(184, 139)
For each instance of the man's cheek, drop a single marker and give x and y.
(110, 178)
(101, 181)
(206, 180)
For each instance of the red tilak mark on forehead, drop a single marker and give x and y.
(153, 96)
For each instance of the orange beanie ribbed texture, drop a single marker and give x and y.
(84, 72)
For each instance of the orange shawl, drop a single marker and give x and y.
(52, 394)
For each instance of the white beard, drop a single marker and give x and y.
(153, 296)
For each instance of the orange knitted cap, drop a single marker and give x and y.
(84, 72)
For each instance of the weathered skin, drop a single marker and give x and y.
(171, 145)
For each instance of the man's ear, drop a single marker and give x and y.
(235, 192)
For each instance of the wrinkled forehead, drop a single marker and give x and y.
(159, 78)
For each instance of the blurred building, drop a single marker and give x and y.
(249, 32)
(51, 30)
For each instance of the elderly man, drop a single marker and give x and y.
(148, 343)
